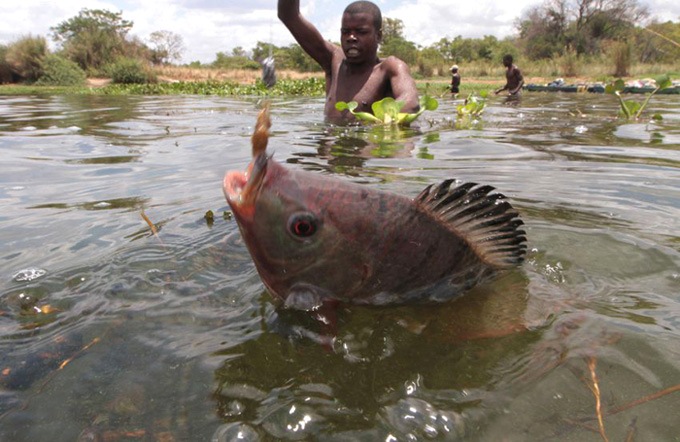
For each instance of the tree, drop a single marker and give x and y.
(392, 28)
(93, 38)
(238, 52)
(585, 26)
(166, 46)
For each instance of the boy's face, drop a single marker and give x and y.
(359, 38)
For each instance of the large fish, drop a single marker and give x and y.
(315, 239)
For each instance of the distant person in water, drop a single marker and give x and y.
(353, 71)
(514, 79)
(455, 79)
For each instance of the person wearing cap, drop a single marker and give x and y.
(455, 79)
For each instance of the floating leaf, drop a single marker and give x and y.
(663, 82)
(617, 86)
(428, 103)
(657, 117)
(386, 111)
(366, 117)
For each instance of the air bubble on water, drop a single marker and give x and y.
(29, 128)
(17, 188)
(557, 396)
(29, 274)
(580, 129)
(102, 204)
(73, 129)
(534, 250)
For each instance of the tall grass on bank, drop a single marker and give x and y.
(241, 76)
(566, 66)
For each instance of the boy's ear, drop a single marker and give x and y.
(380, 35)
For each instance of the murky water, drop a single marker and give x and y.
(110, 332)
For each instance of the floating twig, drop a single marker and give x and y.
(595, 388)
(643, 400)
(49, 378)
(632, 430)
(151, 225)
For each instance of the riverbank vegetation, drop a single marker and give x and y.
(579, 39)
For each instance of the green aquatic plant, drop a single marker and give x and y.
(387, 110)
(470, 111)
(632, 109)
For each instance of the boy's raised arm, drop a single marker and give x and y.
(305, 33)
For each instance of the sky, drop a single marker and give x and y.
(210, 26)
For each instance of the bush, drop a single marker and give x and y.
(621, 53)
(130, 71)
(58, 71)
(25, 57)
(5, 68)
(569, 63)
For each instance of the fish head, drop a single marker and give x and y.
(296, 246)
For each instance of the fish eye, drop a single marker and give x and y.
(302, 225)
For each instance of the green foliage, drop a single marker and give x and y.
(632, 109)
(130, 71)
(6, 75)
(621, 55)
(392, 28)
(470, 111)
(658, 42)
(58, 71)
(400, 48)
(25, 57)
(308, 87)
(225, 61)
(93, 38)
(386, 111)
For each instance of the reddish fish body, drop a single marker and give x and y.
(315, 238)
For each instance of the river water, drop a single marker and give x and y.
(111, 332)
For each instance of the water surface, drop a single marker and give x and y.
(111, 332)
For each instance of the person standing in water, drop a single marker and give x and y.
(514, 79)
(353, 71)
(455, 79)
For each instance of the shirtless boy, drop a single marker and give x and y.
(353, 72)
(514, 79)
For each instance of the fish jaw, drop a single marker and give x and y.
(242, 189)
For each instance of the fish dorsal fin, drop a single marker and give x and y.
(488, 223)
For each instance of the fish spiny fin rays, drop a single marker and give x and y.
(261, 134)
(484, 219)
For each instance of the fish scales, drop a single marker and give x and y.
(315, 238)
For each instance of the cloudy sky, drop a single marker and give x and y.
(211, 26)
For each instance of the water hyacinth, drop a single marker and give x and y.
(632, 109)
(386, 111)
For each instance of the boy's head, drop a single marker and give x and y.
(507, 60)
(361, 31)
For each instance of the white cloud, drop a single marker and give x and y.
(211, 26)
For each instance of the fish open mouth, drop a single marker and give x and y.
(241, 189)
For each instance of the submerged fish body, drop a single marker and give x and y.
(315, 238)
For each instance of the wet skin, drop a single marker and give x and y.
(513, 77)
(353, 71)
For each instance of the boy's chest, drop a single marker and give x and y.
(364, 88)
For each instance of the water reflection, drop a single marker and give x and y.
(127, 333)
